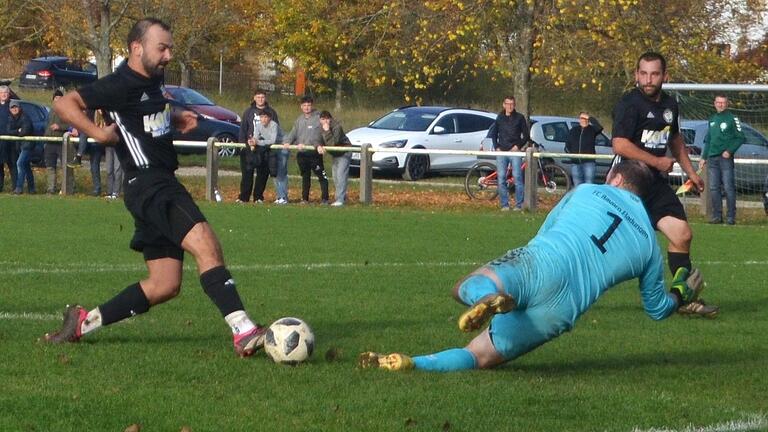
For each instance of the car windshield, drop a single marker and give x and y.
(407, 120)
(189, 97)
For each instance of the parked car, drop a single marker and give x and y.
(552, 132)
(206, 127)
(201, 104)
(57, 71)
(423, 127)
(748, 176)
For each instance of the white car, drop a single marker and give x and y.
(425, 127)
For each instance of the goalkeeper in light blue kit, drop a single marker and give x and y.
(596, 237)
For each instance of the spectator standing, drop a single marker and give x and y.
(19, 124)
(95, 151)
(509, 133)
(306, 131)
(334, 136)
(265, 134)
(581, 140)
(52, 153)
(250, 121)
(723, 138)
(8, 153)
(114, 173)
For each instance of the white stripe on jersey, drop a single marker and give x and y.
(139, 158)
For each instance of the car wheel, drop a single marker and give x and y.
(416, 167)
(227, 151)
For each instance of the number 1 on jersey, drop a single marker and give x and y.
(600, 242)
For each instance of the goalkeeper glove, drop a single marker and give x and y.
(687, 285)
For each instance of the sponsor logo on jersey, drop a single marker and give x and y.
(723, 126)
(144, 97)
(650, 115)
(159, 123)
(668, 116)
(654, 139)
(737, 122)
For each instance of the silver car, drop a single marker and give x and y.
(552, 132)
(748, 176)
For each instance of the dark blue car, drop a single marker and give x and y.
(57, 71)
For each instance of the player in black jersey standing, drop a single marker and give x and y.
(167, 220)
(645, 126)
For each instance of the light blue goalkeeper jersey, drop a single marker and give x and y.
(596, 237)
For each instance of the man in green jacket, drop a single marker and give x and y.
(723, 139)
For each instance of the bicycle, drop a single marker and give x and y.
(481, 181)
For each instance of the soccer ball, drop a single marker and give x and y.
(289, 341)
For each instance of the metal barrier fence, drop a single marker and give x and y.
(366, 164)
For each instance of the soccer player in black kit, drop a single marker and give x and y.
(167, 220)
(645, 126)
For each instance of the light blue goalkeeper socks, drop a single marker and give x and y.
(455, 359)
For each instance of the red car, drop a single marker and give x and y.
(201, 104)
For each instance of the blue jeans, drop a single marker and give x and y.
(720, 173)
(24, 171)
(340, 170)
(281, 177)
(583, 173)
(502, 162)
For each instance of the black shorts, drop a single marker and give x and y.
(163, 213)
(661, 201)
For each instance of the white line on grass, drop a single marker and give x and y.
(18, 268)
(754, 422)
(29, 316)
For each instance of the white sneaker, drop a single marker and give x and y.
(337, 204)
(281, 201)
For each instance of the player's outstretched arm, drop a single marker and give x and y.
(71, 109)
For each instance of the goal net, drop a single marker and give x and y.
(750, 104)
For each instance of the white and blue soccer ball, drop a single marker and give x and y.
(289, 340)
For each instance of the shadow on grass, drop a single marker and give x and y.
(627, 362)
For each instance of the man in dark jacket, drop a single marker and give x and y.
(249, 123)
(19, 124)
(581, 140)
(509, 133)
(8, 152)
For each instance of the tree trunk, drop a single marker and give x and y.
(524, 56)
(186, 74)
(103, 51)
(339, 93)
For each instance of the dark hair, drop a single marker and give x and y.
(326, 115)
(637, 176)
(307, 99)
(57, 93)
(650, 56)
(510, 97)
(267, 113)
(140, 29)
(259, 91)
(721, 95)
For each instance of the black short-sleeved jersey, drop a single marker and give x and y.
(142, 114)
(650, 125)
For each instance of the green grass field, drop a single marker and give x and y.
(366, 279)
